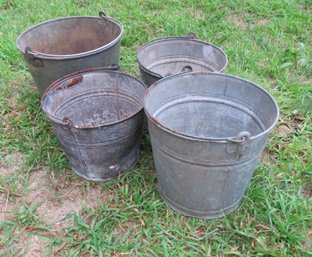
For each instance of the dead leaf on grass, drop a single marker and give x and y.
(263, 226)
(283, 129)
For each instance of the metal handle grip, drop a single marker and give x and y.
(186, 68)
(241, 138)
(32, 57)
(102, 14)
(191, 35)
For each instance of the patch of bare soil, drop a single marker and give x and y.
(268, 158)
(304, 82)
(305, 8)
(14, 92)
(261, 22)
(126, 226)
(9, 167)
(283, 129)
(308, 242)
(290, 125)
(57, 199)
(198, 14)
(307, 194)
(11, 163)
(238, 21)
(243, 24)
(30, 245)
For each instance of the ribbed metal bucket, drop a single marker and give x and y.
(172, 55)
(97, 116)
(208, 131)
(58, 47)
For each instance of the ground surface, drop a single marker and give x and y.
(46, 210)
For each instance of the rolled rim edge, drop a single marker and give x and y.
(70, 56)
(208, 139)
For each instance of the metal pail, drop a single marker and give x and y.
(58, 47)
(172, 55)
(97, 115)
(208, 131)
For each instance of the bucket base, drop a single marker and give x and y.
(106, 178)
(196, 213)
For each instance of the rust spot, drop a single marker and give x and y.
(154, 120)
(85, 126)
(93, 69)
(74, 81)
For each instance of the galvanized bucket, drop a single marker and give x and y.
(173, 55)
(97, 116)
(58, 47)
(208, 131)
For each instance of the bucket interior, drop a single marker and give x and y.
(170, 56)
(100, 99)
(210, 106)
(95, 110)
(206, 118)
(68, 36)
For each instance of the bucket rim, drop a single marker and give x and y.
(67, 122)
(184, 38)
(208, 139)
(46, 56)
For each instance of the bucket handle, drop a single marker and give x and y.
(102, 14)
(184, 69)
(238, 144)
(191, 35)
(241, 138)
(31, 57)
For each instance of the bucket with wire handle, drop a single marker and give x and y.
(97, 115)
(207, 131)
(55, 48)
(173, 55)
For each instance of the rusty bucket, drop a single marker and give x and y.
(208, 131)
(97, 115)
(172, 55)
(61, 46)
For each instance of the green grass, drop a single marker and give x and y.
(268, 42)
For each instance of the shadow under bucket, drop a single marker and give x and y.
(58, 47)
(97, 115)
(208, 131)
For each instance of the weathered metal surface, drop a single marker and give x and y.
(172, 55)
(58, 47)
(97, 115)
(208, 131)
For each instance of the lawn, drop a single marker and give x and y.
(46, 210)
